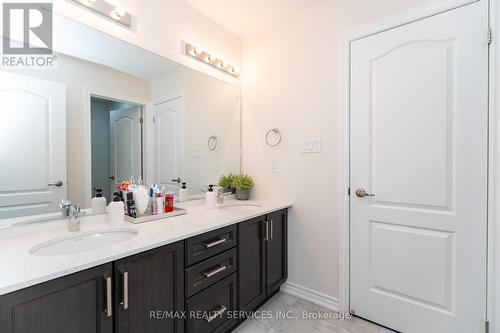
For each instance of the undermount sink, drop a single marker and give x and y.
(242, 207)
(82, 242)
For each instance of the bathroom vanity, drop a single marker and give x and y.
(159, 281)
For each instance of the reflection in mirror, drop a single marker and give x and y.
(97, 119)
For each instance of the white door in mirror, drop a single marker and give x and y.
(32, 145)
(126, 145)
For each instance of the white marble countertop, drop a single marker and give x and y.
(20, 269)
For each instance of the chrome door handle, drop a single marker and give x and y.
(109, 297)
(214, 243)
(215, 271)
(57, 183)
(216, 313)
(361, 193)
(272, 229)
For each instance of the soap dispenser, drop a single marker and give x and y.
(98, 203)
(210, 198)
(116, 208)
(183, 192)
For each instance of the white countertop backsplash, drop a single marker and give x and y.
(20, 269)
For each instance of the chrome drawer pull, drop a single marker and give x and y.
(215, 271)
(215, 243)
(216, 313)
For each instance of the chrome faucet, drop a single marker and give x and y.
(72, 213)
(221, 193)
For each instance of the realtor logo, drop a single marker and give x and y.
(27, 28)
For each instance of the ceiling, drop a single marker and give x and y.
(243, 17)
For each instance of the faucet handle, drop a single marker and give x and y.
(65, 207)
(77, 208)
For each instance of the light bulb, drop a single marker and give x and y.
(212, 58)
(197, 51)
(118, 12)
(235, 70)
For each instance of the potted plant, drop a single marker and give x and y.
(243, 184)
(227, 182)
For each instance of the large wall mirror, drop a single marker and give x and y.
(105, 114)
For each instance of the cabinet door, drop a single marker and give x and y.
(276, 251)
(251, 264)
(149, 291)
(75, 303)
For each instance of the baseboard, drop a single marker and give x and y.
(312, 296)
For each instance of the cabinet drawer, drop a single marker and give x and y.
(205, 273)
(211, 306)
(204, 246)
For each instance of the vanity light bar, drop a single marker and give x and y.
(211, 60)
(115, 13)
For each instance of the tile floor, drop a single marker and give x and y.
(284, 302)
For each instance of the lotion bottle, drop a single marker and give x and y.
(183, 192)
(98, 203)
(210, 198)
(116, 209)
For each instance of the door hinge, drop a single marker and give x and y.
(487, 326)
(141, 120)
(154, 120)
(490, 36)
(349, 191)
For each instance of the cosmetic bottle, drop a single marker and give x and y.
(159, 203)
(169, 202)
(183, 192)
(210, 197)
(116, 208)
(131, 205)
(98, 203)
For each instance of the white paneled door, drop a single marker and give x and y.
(419, 130)
(32, 145)
(126, 145)
(169, 135)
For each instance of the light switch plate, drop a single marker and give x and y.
(311, 145)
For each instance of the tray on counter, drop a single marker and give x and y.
(147, 218)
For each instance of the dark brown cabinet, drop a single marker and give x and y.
(149, 289)
(209, 276)
(75, 303)
(262, 258)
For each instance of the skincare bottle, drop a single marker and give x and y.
(210, 197)
(169, 202)
(159, 203)
(131, 205)
(154, 206)
(116, 208)
(98, 203)
(183, 192)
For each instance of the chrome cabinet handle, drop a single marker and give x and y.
(57, 183)
(109, 297)
(214, 271)
(125, 291)
(272, 229)
(266, 237)
(361, 193)
(216, 313)
(215, 243)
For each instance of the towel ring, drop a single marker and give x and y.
(275, 131)
(212, 142)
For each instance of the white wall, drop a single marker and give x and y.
(79, 75)
(160, 26)
(290, 80)
(211, 107)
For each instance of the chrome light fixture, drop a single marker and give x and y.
(104, 8)
(210, 59)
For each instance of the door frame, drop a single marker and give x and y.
(146, 105)
(422, 12)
